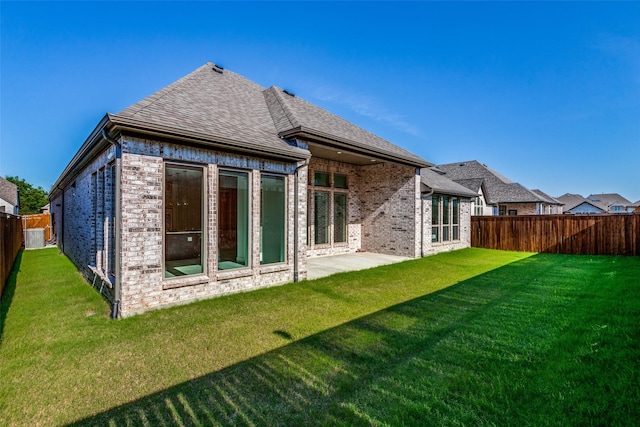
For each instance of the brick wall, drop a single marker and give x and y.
(143, 283)
(390, 209)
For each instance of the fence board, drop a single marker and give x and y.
(38, 221)
(617, 234)
(10, 244)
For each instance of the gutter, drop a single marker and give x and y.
(117, 238)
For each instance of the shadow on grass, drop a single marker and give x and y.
(468, 354)
(8, 292)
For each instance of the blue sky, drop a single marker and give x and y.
(547, 94)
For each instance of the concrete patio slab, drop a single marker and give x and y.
(328, 265)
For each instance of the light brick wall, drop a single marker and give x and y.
(390, 209)
(143, 283)
(75, 227)
(523, 208)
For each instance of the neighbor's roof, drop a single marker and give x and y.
(473, 184)
(551, 200)
(217, 103)
(439, 183)
(499, 189)
(572, 201)
(8, 191)
(610, 199)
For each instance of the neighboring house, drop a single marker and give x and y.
(553, 207)
(613, 202)
(637, 206)
(506, 197)
(9, 197)
(216, 185)
(447, 225)
(576, 204)
(479, 205)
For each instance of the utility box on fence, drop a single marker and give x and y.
(34, 238)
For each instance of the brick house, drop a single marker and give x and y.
(215, 185)
(503, 195)
(9, 197)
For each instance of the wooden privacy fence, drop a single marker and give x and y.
(617, 234)
(38, 221)
(10, 244)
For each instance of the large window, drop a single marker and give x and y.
(339, 218)
(329, 219)
(445, 218)
(233, 220)
(435, 218)
(183, 220)
(321, 217)
(272, 219)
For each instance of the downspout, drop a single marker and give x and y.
(115, 308)
(295, 220)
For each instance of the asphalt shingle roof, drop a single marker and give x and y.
(573, 200)
(8, 191)
(443, 185)
(610, 199)
(295, 115)
(499, 188)
(222, 104)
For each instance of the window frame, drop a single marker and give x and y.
(204, 237)
(249, 231)
(284, 219)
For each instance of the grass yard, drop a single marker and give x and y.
(472, 337)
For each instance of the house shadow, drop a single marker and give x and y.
(8, 292)
(335, 377)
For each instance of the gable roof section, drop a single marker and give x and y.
(8, 191)
(572, 201)
(295, 117)
(439, 183)
(499, 188)
(551, 200)
(610, 199)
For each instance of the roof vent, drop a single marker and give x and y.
(463, 164)
(218, 69)
(288, 93)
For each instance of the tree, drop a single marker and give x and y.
(31, 198)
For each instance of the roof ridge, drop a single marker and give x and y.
(277, 92)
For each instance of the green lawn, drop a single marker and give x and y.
(473, 337)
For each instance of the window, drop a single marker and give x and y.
(321, 217)
(233, 220)
(339, 217)
(111, 212)
(455, 218)
(445, 218)
(502, 210)
(272, 219)
(321, 179)
(513, 212)
(339, 181)
(183, 220)
(435, 218)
